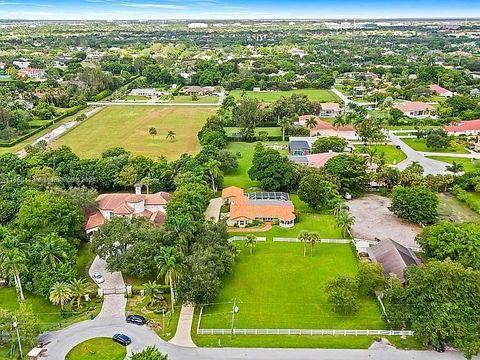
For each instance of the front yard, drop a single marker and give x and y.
(321, 95)
(419, 145)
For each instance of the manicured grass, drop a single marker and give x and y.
(128, 126)
(419, 145)
(472, 199)
(277, 287)
(321, 95)
(38, 123)
(272, 131)
(98, 349)
(136, 98)
(85, 258)
(201, 99)
(468, 165)
(392, 154)
(246, 150)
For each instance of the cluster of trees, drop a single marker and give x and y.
(417, 204)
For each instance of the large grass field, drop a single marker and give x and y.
(392, 154)
(98, 349)
(277, 287)
(468, 165)
(320, 95)
(419, 145)
(128, 126)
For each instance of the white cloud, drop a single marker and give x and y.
(151, 5)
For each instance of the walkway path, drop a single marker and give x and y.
(430, 166)
(266, 227)
(183, 335)
(471, 155)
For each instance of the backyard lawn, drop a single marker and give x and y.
(128, 126)
(320, 95)
(272, 131)
(468, 165)
(392, 154)
(277, 287)
(419, 145)
(98, 349)
(188, 99)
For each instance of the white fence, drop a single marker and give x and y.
(240, 238)
(304, 332)
(328, 241)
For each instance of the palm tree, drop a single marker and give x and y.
(60, 293)
(152, 291)
(284, 122)
(344, 221)
(455, 168)
(304, 237)
(13, 262)
(170, 267)
(314, 238)
(79, 288)
(370, 152)
(339, 121)
(52, 250)
(171, 135)
(213, 168)
(311, 122)
(340, 206)
(250, 242)
(153, 132)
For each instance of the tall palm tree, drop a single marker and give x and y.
(339, 121)
(52, 250)
(304, 237)
(152, 291)
(340, 206)
(60, 293)
(13, 262)
(171, 135)
(213, 169)
(79, 288)
(170, 267)
(314, 238)
(371, 152)
(344, 221)
(311, 122)
(455, 168)
(284, 123)
(250, 242)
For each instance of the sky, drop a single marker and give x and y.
(235, 9)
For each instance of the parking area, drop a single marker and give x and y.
(373, 221)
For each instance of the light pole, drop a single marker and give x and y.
(235, 310)
(15, 326)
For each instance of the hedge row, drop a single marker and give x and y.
(269, 138)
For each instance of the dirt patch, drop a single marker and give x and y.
(373, 221)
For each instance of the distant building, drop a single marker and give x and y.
(21, 64)
(440, 91)
(324, 128)
(37, 74)
(329, 109)
(471, 127)
(198, 90)
(149, 92)
(265, 206)
(197, 25)
(314, 160)
(414, 109)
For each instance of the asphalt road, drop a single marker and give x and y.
(61, 342)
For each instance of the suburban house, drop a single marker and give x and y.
(414, 109)
(440, 91)
(313, 160)
(329, 109)
(37, 74)
(471, 127)
(302, 145)
(197, 90)
(21, 63)
(273, 207)
(324, 128)
(149, 92)
(150, 206)
(393, 256)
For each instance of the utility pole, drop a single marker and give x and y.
(234, 310)
(15, 325)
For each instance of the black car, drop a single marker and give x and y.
(122, 339)
(441, 347)
(136, 319)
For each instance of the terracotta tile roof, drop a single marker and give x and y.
(158, 217)
(319, 160)
(232, 191)
(438, 89)
(134, 199)
(412, 106)
(252, 211)
(94, 220)
(323, 125)
(123, 209)
(330, 106)
(114, 201)
(471, 125)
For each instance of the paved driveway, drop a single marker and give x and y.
(213, 209)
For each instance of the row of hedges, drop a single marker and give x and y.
(259, 138)
(69, 112)
(466, 197)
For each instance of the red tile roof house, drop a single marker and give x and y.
(38, 74)
(150, 206)
(440, 90)
(414, 109)
(265, 206)
(471, 127)
(324, 128)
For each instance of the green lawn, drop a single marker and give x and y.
(272, 131)
(200, 100)
(472, 199)
(452, 209)
(85, 258)
(277, 287)
(320, 95)
(136, 98)
(98, 349)
(392, 154)
(128, 126)
(419, 145)
(468, 165)
(246, 150)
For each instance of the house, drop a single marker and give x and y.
(313, 160)
(150, 206)
(414, 109)
(37, 74)
(471, 127)
(393, 256)
(324, 128)
(329, 109)
(21, 63)
(440, 91)
(149, 92)
(299, 147)
(265, 206)
(197, 25)
(197, 90)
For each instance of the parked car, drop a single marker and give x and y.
(98, 278)
(441, 347)
(136, 319)
(122, 339)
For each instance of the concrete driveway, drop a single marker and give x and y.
(213, 209)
